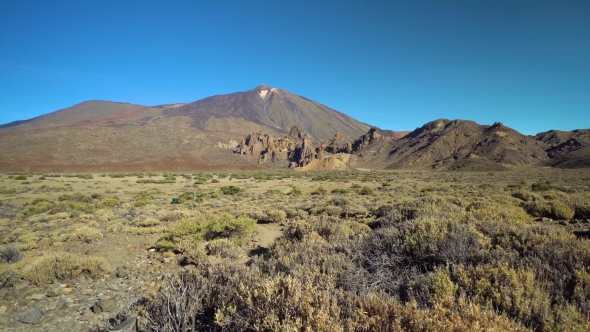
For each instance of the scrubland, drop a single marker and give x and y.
(352, 251)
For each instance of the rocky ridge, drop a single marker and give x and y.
(299, 149)
(439, 144)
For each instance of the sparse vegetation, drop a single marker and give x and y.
(448, 250)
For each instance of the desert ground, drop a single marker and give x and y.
(296, 251)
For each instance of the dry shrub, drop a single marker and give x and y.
(274, 216)
(256, 214)
(9, 276)
(83, 233)
(145, 222)
(580, 203)
(10, 254)
(494, 211)
(561, 211)
(63, 266)
(224, 297)
(173, 215)
(142, 230)
(207, 227)
(30, 240)
(223, 248)
(358, 228)
(553, 209)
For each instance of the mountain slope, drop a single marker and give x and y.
(274, 109)
(443, 143)
(86, 111)
(99, 135)
(567, 149)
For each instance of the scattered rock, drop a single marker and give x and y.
(122, 274)
(86, 317)
(4, 319)
(169, 254)
(22, 285)
(2, 309)
(104, 305)
(30, 317)
(129, 325)
(51, 294)
(37, 296)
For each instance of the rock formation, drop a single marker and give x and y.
(364, 141)
(300, 149)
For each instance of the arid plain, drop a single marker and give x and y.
(340, 250)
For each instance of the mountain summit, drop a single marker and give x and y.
(273, 109)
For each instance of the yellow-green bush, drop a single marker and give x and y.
(61, 266)
(208, 227)
(143, 202)
(82, 233)
(274, 216)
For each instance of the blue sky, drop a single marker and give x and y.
(394, 64)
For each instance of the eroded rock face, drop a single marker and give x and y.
(363, 141)
(263, 147)
(299, 149)
(304, 152)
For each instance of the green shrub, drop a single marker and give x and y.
(296, 192)
(319, 191)
(110, 202)
(143, 202)
(340, 191)
(561, 211)
(365, 191)
(37, 207)
(208, 228)
(46, 269)
(542, 186)
(20, 177)
(231, 190)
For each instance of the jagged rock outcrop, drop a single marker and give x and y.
(263, 147)
(372, 136)
(305, 152)
(337, 145)
(299, 149)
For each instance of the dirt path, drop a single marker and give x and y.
(267, 233)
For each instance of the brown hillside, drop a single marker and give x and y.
(567, 149)
(442, 143)
(86, 111)
(110, 135)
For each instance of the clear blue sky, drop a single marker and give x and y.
(394, 64)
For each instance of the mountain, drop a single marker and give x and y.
(103, 135)
(275, 110)
(567, 149)
(456, 144)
